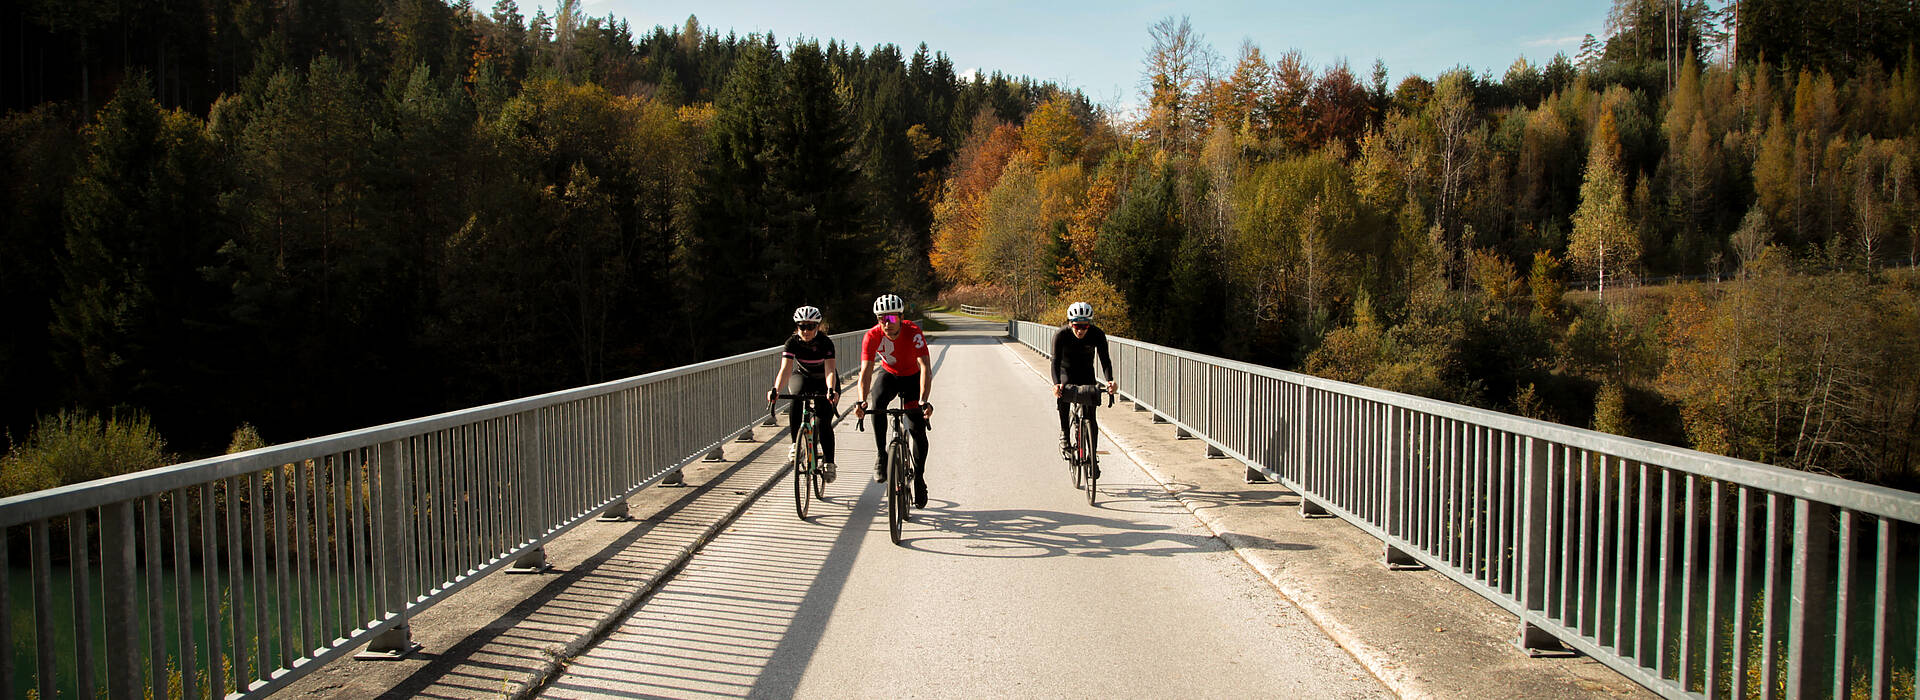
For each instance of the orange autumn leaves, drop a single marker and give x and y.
(1020, 208)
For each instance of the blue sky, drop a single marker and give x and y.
(1097, 46)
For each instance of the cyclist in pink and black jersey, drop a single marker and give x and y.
(899, 349)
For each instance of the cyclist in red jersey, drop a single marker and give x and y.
(900, 349)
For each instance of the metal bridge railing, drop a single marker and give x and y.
(1694, 574)
(235, 575)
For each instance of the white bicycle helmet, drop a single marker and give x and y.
(1079, 311)
(806, 314)
(888, 304)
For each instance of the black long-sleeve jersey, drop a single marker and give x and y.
(1073, 357)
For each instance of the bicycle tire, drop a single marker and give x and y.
(896, 492)
(1073, 448)
(1090, 448)
(1078, 449)
(818, 480)
(802, 473)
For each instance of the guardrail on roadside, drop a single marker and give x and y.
(978, 310)
(239, 574)
(1691, 573)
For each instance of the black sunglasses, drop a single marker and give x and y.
(807, 326)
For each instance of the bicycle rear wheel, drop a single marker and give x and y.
(897, 502)
(1074, 456)
(803, 468)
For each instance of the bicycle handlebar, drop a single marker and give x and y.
(806, 396)
(861, 425)
(1097, 388)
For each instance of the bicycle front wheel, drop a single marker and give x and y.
(1089, 459)
(803, 469)
(896, 491)
(1076, 459)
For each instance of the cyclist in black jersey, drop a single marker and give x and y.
(1074, 349)
(807, 366)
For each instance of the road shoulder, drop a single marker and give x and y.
(1419, 632)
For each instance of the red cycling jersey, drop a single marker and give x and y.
(896, 355)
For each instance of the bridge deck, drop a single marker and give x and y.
(983, 593)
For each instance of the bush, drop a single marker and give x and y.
(75, 446)
(1110, 310)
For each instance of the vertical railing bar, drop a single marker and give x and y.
(1450, 507)
(1843, 587)
(7, 648)
(457, 483)
(182, 595)
(445, 494)
(1561, 534)
(1645, 572)
(303, 611)
(210, 575)
(156, 620)
(459, 453)
(1742, 590)
(1435, 477)
(1883, 563)
(1621, 518)
(1493, 461)
(326, 495)
(283, 585)
(1348, 457)
(1688, 552)
(119, 564)
(1472, 479)
(80, 563)
(1604, 549)
(1806, 595)
(1510, 466)
(467, 455)
(1710, 674)
(43, 645)
(236, 574)
(1663, 575)
(359, 521)
(1769, 669)
(1581, 523)
(262, 661)
(497, 488)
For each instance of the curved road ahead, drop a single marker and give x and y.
(1008, 584)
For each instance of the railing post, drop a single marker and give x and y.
(1533, 550)
(117, 573)
(620, 459)
(540, 520)
(396, 553)
(1811, 613)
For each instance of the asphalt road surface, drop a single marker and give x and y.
(1007, 585)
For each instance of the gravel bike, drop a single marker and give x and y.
(900, 460)
(807, 465)
(1082, 454)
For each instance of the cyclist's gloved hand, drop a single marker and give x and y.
(1056, 391)
(926, 410)
(860, 410)
(833, 396)
(773, 395)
